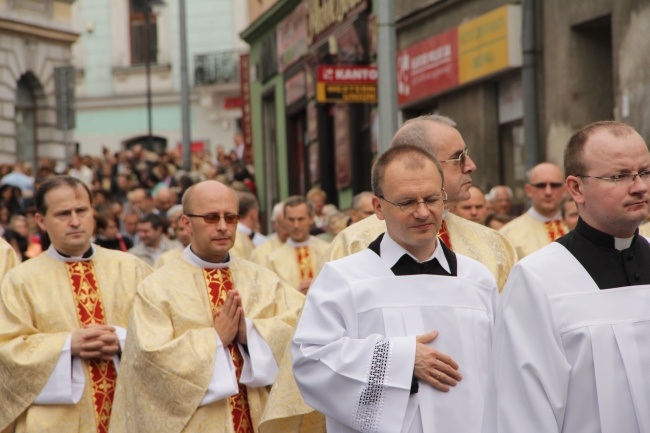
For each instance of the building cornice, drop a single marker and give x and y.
(268, 20)
(47, 32)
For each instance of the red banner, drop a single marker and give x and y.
(246, 119)
(427, 68)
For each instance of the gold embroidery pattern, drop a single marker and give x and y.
(554, 229)
(91, 311)
(304, 263)
(219, 282)
(443, 234)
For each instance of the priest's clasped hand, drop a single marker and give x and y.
(229, 320)
(433, 367)
(95, 342)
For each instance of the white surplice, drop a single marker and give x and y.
(569, 357)
(354, 347)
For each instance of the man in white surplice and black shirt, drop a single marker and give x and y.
(572, 336)
(396, 338)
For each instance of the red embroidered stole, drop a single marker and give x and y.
(554, 229)
(219, 282)
(443, 234)
(91, 311)
(304, 263)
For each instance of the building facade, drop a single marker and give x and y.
(129, 73)
(35, 39)
(573, 63)
(304, 133)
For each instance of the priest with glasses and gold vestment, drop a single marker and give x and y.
(206, 333)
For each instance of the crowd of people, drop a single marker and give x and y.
(149, 300)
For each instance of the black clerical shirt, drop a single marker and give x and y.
(608, 266)
(406, 265)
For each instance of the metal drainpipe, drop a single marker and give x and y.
(529, 84)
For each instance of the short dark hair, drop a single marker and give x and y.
(156, 221)
(415, 155)
(56, 182)
(573, 154)
(247, 202)
(297, 200)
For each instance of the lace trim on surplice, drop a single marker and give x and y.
(367, 415)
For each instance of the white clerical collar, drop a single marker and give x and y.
(391, 252)
(193, 259)
(539, 217)
(294, 244)
(244, 229)
(52, 252)
(623, 243)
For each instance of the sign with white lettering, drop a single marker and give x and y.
(347, 84)
(427, 68)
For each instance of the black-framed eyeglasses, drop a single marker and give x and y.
(410, 205)
(214, 218)
(622, 177)
(461, 159)
(544, 185)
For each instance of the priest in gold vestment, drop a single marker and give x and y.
(63, 317)
(206, 333)
(302, 255)
(542, 223)
(286, 411)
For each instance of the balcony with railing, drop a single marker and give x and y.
(216, 68)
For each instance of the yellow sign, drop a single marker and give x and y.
(489, 43)
(347, 93)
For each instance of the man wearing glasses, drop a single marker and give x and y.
(542, 223)
(571, 346)
(438, 135)
(394, 336)
(206, 331)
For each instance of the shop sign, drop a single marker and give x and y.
(292, 37)
(325, 13)
(489, 43)
(427, 68)
(347, 84)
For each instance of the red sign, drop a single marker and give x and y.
(195, 146)
(334, 74)
(427, 68)
(230, 102)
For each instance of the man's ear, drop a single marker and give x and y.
(574, 186)
(376, 204)
(40, 221)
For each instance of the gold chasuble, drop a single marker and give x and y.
(103, 374)
(528, 234)
(219, 282)
(42, 301)
(292, 264)
(644, 230)
(169, 358)
(8, 258)
(262, 253)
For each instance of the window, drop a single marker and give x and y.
(143, 48)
